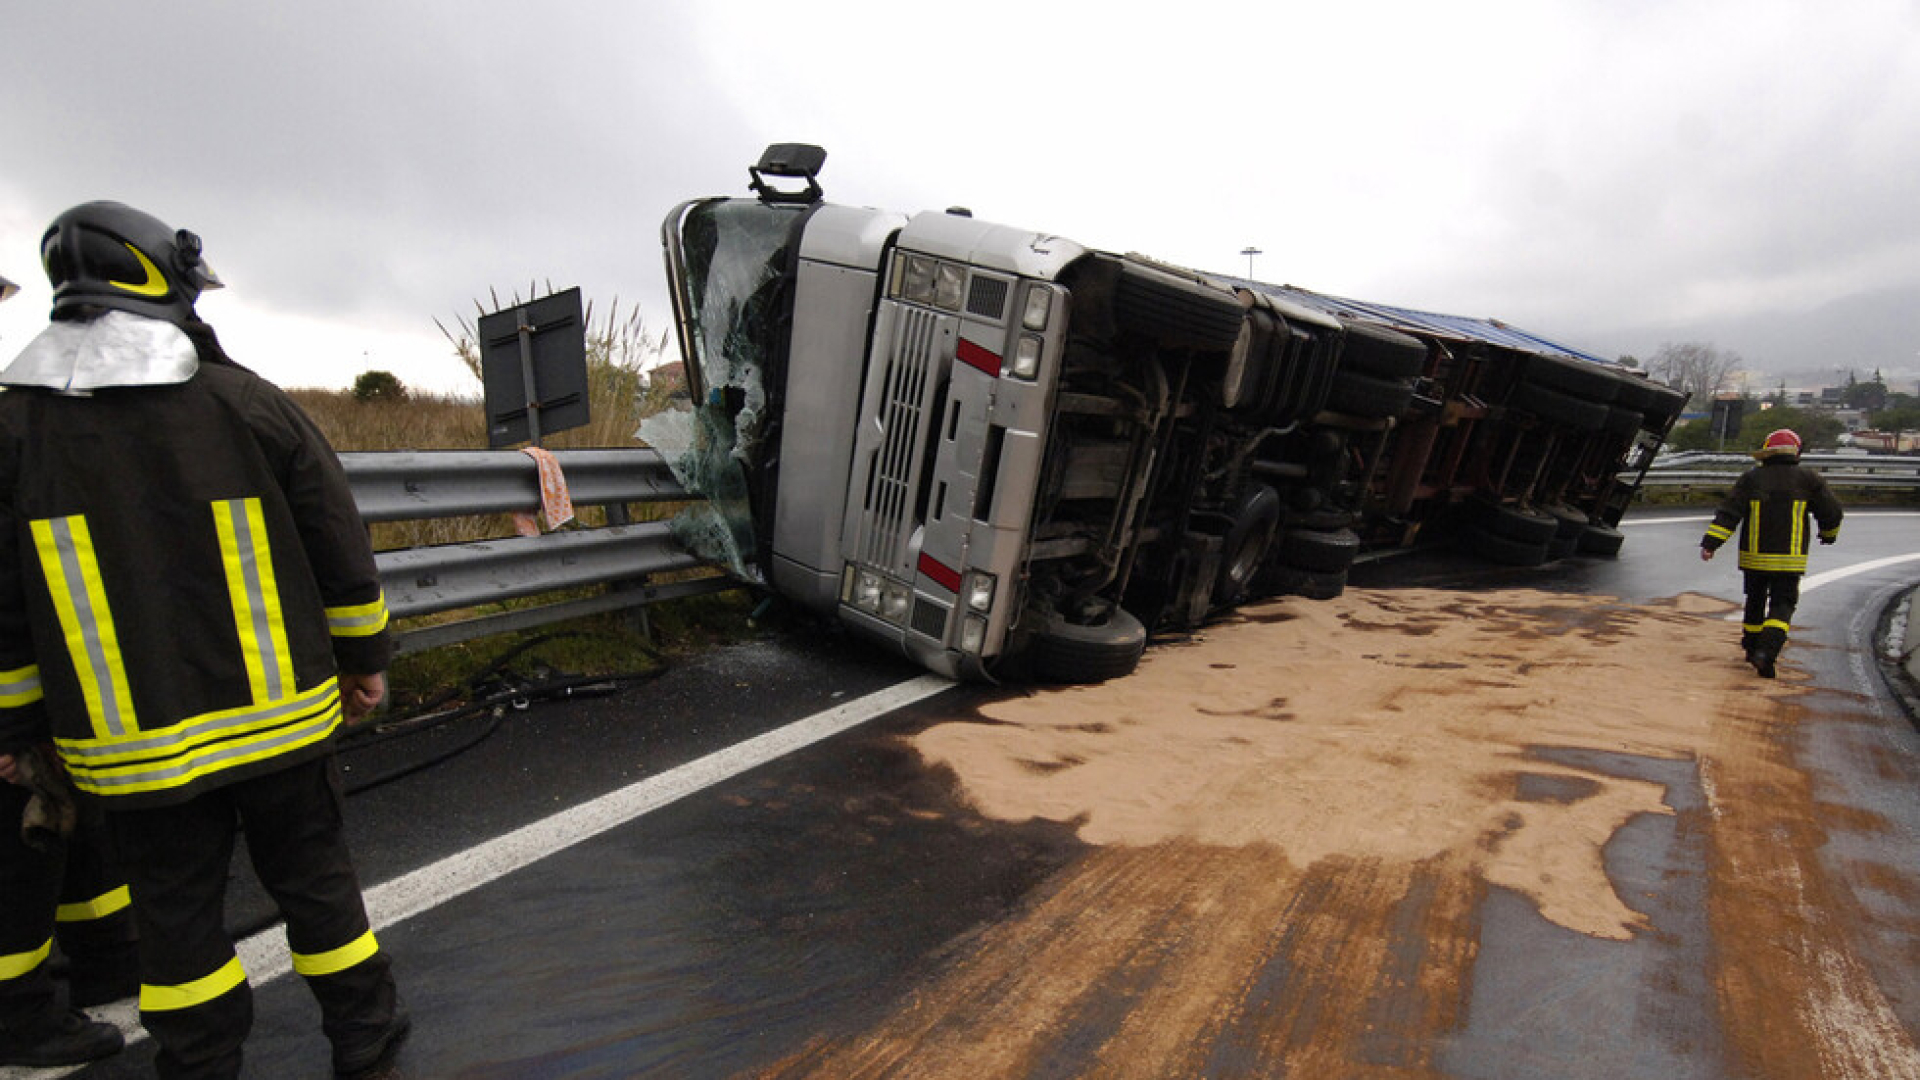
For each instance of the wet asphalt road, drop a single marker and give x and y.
(724, 932)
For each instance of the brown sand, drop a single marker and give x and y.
(1327, 790)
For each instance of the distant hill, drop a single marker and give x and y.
(1815, 347)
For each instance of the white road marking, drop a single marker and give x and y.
(265, 957)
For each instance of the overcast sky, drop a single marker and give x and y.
(1612, 174)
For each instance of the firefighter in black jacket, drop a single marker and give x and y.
(1770, 505)
(189, 608)
(55, 882)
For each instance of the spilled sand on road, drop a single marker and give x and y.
(1393, 726)
(1295, 818)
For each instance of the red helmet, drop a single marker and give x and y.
(1781, 442)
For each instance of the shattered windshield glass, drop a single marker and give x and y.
(730, 255)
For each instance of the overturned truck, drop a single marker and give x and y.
(1007, 454)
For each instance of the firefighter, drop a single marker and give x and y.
(189, 608)
(1770, 505)
(55, 883)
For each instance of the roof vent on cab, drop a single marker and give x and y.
(791, 160)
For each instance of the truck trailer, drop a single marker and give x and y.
(1008, 455)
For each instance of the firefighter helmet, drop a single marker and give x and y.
(1782, 443)
(7, 288)
(109, 255)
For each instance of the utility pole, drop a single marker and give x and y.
(1250, 251)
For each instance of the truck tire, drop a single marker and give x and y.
(1310, 584)
(1572, 522)
(1368, 397)
(1557, 407)
(1376, 350)
(1622, 422)
(1576, 378)
(1515, 523)
(1505, 550)
(1319, 551)
(1068, 652)
(1255, 522)
(1665, 403)
(1176, 311)
(1601, 540)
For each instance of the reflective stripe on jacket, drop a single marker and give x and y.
(182, 573)
(1770, 505)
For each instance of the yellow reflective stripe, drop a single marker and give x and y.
(14, 965)
(107, 903)
(198, 992)
(155, 285)
(1798, 545)
(1830, 534)
(334, 961)
(1751, 628)
(1719, 532)
(248, 559)
(1777, 624)
(1753, 527)
(358, 620)
(21, 686)
(199, 746)
(67, 558)
(1788, 564)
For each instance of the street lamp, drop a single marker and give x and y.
(1250, 251)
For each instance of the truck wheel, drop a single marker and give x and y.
(1367, 396)
(1093, 652)
(1601, 540)
(1376, 350)
(1506, 550)
(1514, 523)
(1621, 422)
(1572, 522)
(1254, 525)
(1577, 378)
(1318, 551)
(1176, 311)
(1310, 584)
(1557, 407)
(1664, 404)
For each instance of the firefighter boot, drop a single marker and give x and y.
(370, 1059)
(58, 1038)
(1766, 651)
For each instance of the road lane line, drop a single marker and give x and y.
(265, 956)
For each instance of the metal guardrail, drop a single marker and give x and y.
(1696, 468)
(623, 558)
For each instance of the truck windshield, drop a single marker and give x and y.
(728, 260)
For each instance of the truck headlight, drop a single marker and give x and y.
(973, 635)
(916, 278)
(1026, 358)
(866, 591)
(894, 598)
(980, 592)
(949, 282)
(1039, 303)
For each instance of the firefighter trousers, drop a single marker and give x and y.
(194, 997)
(1771, 598)
(69, 892)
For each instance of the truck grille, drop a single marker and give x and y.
(891, 489)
